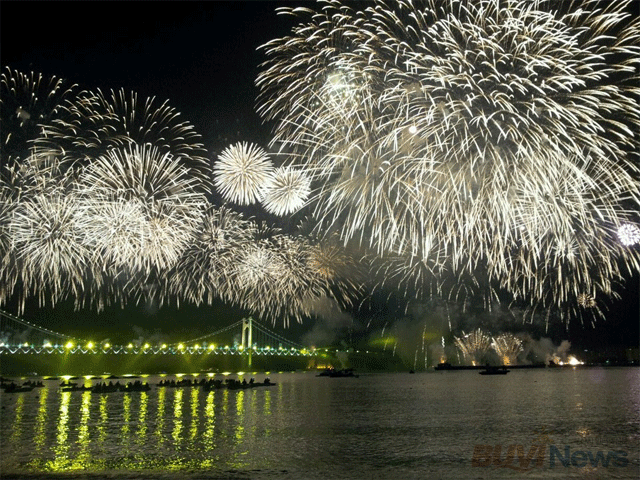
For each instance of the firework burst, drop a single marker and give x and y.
(241, 173)
(27, 101)
(629, 234)
(92, 123)
(47, 253)
(286, 191)
(141, 206)
(201, 273)
(586, 300)
(501, 133)
(474, 345)
(508, 347)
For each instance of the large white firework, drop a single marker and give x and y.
(140, 207)
(286, 191)
(241, 173)
(281, 277)
(201, 275)
(502, 133)
(47, 253)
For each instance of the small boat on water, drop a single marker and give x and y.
(333, 373)
(74, 388)
(494, 371)
(238, 385)
(14, 388)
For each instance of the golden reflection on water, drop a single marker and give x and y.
(142, 418)
(75, 431)
(61, 449)
(83, 458)
(101, 427)
(238, 461)
(177, 417)
(41, 421)
(239, 433)
(195, 421)
(159, 433)
(126, 418)
(210, 419)
(17, 422)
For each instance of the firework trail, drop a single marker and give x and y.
(474, 345)
(502, 134)
(273, 278)
(241, 173)
(508, 347)
(26, 101)
(201, 273)
(282, 277)
(8, 272)
(92, 123)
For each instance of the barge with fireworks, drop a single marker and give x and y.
(448, 366)
(488, 370)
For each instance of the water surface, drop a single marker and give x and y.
(395, 425)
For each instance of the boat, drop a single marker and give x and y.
(74, 388)
(238, 385)
(494, 371)
(333, 373)
(14, 388)
(444, 366)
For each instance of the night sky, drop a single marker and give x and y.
(203, 58)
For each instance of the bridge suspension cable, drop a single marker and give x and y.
(9, 322)
(209, 335)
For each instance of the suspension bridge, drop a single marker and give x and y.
(245, 337)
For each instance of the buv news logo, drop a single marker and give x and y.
(542, 449)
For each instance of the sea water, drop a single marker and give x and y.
(537, 423)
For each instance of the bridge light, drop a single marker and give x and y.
(90, 345)
(69, 345)
(267, 347)
(26, 344)
(146, 345)
(197, 347)
(226, 347)
(164, 346)
(180, 346)
(239, 347)
(107, 345)
(130, 345)
(212, 347)
(46, 344)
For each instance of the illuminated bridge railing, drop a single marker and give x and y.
(150, 350)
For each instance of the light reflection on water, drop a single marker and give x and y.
(376, 426)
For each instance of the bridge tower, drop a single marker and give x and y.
(247, 341)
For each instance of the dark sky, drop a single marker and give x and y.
(203, 58)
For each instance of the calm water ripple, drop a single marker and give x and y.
(444, 425)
